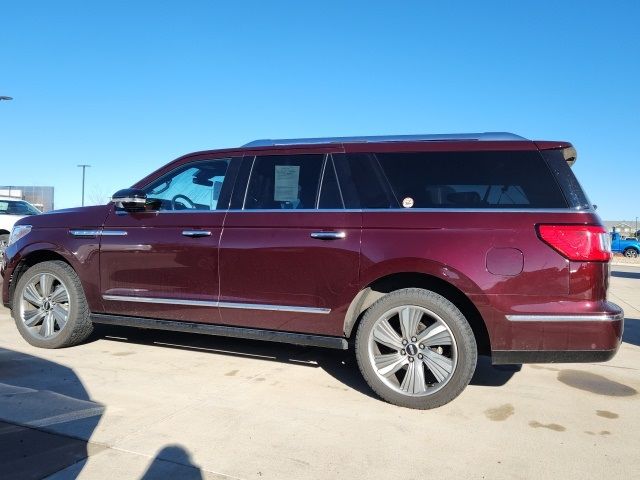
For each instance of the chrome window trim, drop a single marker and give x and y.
(603, 317)
(414, 210)
(206, 303)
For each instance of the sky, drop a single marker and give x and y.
(128, 86)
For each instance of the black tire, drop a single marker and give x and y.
(450, 315)
(78, 326)
(630, 252)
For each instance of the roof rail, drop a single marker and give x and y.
(480, 137)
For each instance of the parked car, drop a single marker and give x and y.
(12, 210)
(419, 252)
(629, 246)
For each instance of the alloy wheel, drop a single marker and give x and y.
(44, 305)
(412, 350)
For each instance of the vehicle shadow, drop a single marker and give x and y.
(340, 364)
(620, 274)
(46, 417)
(631, 333)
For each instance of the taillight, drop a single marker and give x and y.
(582, 243)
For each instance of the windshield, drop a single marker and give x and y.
(17, 207)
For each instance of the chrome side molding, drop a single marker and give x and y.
(206, 303)
(602, 317)
(96, 233)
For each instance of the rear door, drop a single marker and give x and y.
(163, 262)
(289, 252)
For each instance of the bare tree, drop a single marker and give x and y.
(99, 196)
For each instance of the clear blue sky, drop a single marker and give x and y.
(128, 86)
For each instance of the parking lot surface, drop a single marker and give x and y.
(142, 404)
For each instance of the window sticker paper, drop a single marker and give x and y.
(286, 183)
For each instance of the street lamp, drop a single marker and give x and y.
(2, 97)
(84, 167)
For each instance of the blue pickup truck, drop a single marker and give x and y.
(630, 247)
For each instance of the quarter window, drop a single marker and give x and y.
(518, 179)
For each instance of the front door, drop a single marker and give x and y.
(163, 262)
(289, 251)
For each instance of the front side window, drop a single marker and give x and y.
(284, 182)
(17, 207)
(195, 186)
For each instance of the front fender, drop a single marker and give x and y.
(47, 244)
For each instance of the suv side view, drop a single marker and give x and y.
(419, 252)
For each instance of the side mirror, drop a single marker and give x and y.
(130, 199)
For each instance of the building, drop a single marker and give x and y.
(41, 197)
(623, 227)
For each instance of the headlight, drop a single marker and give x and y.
(17, 233)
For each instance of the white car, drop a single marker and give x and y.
(11, 210)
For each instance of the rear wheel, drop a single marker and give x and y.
(49, 306)
(416, 349)
(631, 253)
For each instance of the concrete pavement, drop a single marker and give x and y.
(135, 404)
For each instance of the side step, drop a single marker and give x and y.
(324, 341)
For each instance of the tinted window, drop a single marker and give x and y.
(195, 186)
(284, 182)
(362, 182)
(17, 207)
(571, 188)
(471, 180)
(330, 195)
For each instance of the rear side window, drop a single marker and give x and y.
(518, 179)
(362, 182)
(284, 182)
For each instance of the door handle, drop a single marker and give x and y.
(328, 235)
(196, 233)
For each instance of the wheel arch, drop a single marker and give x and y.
(30, 259)
(408, 279)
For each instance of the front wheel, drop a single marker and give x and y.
(631, 253)
(49, 306)
(415, 349)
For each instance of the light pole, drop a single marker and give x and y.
(3, 97)
(84, 167)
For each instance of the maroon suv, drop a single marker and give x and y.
(420, 251)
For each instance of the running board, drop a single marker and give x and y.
(223, 331)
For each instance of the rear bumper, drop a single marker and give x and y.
(563, 338)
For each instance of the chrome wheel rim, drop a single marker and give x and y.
(44, 305)
(412, 350)
(631, 253)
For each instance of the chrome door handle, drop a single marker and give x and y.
(328, 235)
(196, 233)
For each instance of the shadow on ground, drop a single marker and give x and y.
(173, 461)
(45, 415)
(621, 274)
(339, 364)
(631, 333)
